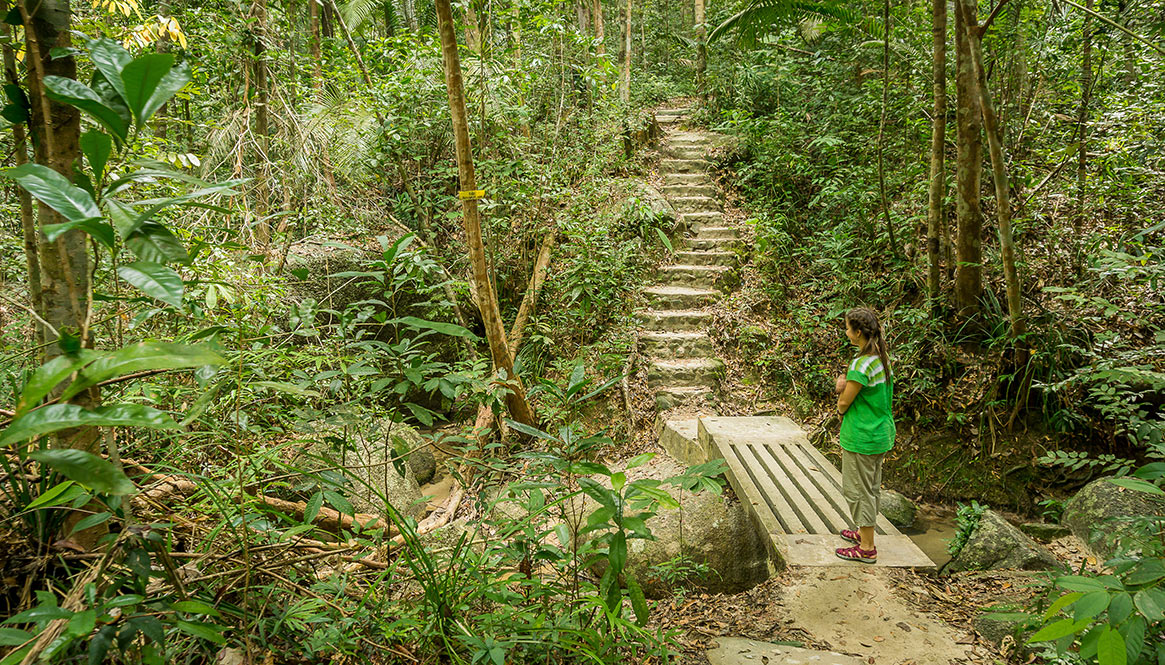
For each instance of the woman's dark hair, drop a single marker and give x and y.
(865, 321)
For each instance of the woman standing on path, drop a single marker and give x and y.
(865, 393)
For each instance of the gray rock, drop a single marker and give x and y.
(1044, 532)
(1096, 513)
(653, 200)
(310, 271)
(706, 529)
(898, 509)
(997, 631)
(996, 544)
(365, 458)
(741, 651)
(423, 464)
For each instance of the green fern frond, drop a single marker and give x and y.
(761, 17)
(358, 12)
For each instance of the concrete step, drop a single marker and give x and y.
(656, 344)
(681, 440)
(670, 397)
(671, 179)
(684, 204)
(694, 221)
(690, 190)
(685, 372)
(679, 297)
(675, 320)
(712, 243)
(686, 151)
(718, 232)
(708, 258)
(706, 277)
(678, 136)
(684, 165)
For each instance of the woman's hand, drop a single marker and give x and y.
(839, 385)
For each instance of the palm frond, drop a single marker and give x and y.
(761, 17)
(358, 12)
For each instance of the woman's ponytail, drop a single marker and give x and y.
(865, 321)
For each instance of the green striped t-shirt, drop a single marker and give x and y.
(868, 425)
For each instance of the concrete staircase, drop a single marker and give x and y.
(682, 364)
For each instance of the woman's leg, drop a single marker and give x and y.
(869, 481)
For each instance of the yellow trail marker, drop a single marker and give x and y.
(466, 195)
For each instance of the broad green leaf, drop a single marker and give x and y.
(289, 388)
(155, 205)
(529, 431)
(173, 81)
(618, 480)
(1055, 631)
(97, 229)
(1119, 608)
(85, 469)
(82, 623)
(141, 77)
(143, 356)
(1151, 603)
(638, 601)
(75, 93)
(1110, 649)
(154, 280)
(206, 631)
(419, 412)
(154, 242)
(110, 58)
(639, 460)
(55, 191)
(97, 147)
(1137, 484)
(48, 376)
(56, 417)
(1062, 602)
(576, 377)
(1134, 634)
(1079, 583)
(617, 552)
(40, 613)
(597, 492)
(1151, 471)
(313, 507)
(11, 637)
(194, 607)
(91, 521)
(444, 328)
(57, 495)
(1146, 571)
(603, 386)
(1090, 604)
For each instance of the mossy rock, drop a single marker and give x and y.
(898, 509)
(1099, 512)
(996, 544)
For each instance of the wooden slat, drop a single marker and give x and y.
(768, 474)
(787, 519)
(748, 492)
(883, 525)
(818, 550)
(834, 521)
(823, 481)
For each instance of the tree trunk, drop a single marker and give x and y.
(882, 125)
(583, 15)
(313, 19)
(938, 180)
(597, 14)
(530, 300)
(516, 402)
(389, 22)
(64, 263)
(409, 9)
(701, 44)
(27, 216)
(260, 100)
(625, 86)
(999, 177)
(472, 29)
(969, 242)
(1082, 140)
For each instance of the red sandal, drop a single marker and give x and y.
(852, 536)
(856, 553)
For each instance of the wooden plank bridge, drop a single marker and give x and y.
(791, 490)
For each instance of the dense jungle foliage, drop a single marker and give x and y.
(246, 275)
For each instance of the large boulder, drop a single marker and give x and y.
(1099, 514)
(898, 509)
(997, 544)
(707, 530)
(643, 194)
(322, 273)
(364, 454)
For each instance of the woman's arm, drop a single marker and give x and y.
(847, 396)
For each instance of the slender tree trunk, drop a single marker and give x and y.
(625, 85)
(938, 177)
(600, 38)
(701, 44)
(472, 29)
(516, 402)
(64, 263)
(582, 12)
(313, 20)
(260, 99)
(969, 242)
(389, 23)
(999, 177)
(882, 125)
(1082, 140)
(530, 300)
(409, 8)
(27, 216)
